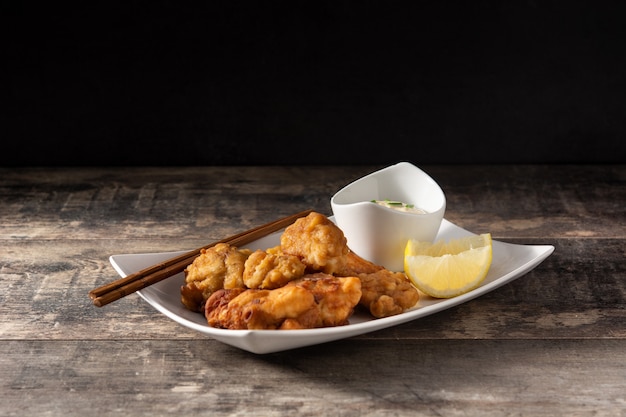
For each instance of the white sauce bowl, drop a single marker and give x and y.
(378, 233)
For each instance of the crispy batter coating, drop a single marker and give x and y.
(385, 293)
(220, 266)
(312, 301)
(316, 240)
(355, 265)
(265, 270)
(336, 297)
(267, 289)
(261, 309)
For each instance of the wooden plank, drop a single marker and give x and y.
(531, 202)
(550, 343)
(369, 378)
(537, 201)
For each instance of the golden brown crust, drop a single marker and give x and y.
(269, 289)
(220, 266)
(317, 241)
(385, 293)
(313, 301)
(266, 270)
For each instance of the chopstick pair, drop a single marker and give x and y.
(134, 282)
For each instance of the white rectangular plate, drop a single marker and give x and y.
(509, 262)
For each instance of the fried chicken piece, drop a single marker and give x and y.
(317, 241)
(355, 265)
(312, 301)
(336, 297)
(266, 270)
(261, 309)
(385, 293)
(220, 266)
(322, 246)
(273, 284)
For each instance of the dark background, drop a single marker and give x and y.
(313, 82)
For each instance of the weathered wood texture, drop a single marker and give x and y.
(345, 378)
(551, 343)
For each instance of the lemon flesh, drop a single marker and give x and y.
(448, 269)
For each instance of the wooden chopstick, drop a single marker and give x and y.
(134, 282)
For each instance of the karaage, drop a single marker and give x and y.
(317, 241)
(265, 270)
(313, 301)
(311, 279)
(322, 246)
(385, 293)
(220, 266)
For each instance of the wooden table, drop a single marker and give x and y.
(551, 343)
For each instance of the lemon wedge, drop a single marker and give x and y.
(448, 269)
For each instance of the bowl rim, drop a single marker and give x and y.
(395, 167)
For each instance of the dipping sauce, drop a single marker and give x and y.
(400, 206)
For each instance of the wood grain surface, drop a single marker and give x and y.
(551, 343)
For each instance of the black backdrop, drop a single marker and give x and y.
(314, 82)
